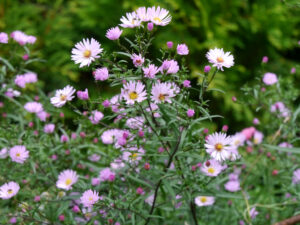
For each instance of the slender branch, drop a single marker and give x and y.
(289, 221)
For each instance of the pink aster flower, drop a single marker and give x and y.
(3, 38)
(280, 108)
(186, 83)
(219, 146)
(248, 132)
(86, 51)
(182, 49)
(65, 138)
(257, 137)
(22, 38)
(270, 78)
(143, 14)
(96, 117)
(89, 198)
(190, 112)
(133, 92)
(66, 179)
(49, 128)
(94, 158)
(106, 175)
(83, 95)
(110, 136)
(42, 115)
(133, 155)
(137, 60)
(131, 20)
(101, 74)
(219, 58)
(33, 107)
(159, 16)
(232, 186)
(169, 67)
(113, 33)
(204, 200)
(253, 213)
(163, 92)
(265, 59)
(296, 176)
(18, 154)
(8, 190)
(212, 168)
(150, 71)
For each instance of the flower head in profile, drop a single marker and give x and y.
(66, 179)
(131, 20)
(62, 96)
(133, 92)
(86, 51)
(159, 16)
(22, 38)
(150, 71)
(9, 190)
(18, 154)
(219, 146)
(204, 200)
(212, 168)
(101, 74)
(163, 92)
(143, 14)
(296, 176)
(110, 136)
(96, 117)
(137, 60)
(232, 185)
(219, 58)
(113, 33)
(182, 49)
(33, 107)
(270, 78)
(89, 198)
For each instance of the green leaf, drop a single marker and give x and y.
(291, 150)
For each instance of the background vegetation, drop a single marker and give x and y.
(250, 29)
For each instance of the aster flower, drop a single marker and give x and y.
(83, 95)
(131, 20)
(163, 92)
(111, 136)
(117, 164)
(270, 78)
(253, 213)
(106, 175)
(232, 186)
(159, 16)
(86, 51)
(133, 155)
(62, 96)
(3, 38)
(204, 200)
(42, 115)
(257, 137)
(169, 67)
(18, 154)
(133, 92)
(212, 168)
(94, 158)
(143, 14)
(49, 128)
(8, 190)
(96, 117)
(101, 74)
(33, 107)
(280, 108)
(89, 198)
(3, 153)
(182, 49)
(22, 38)
(296, 176)
(150, 71)
(113, 33)
(218, 145)
(219, 58)
(238, 139)
(137, 60)
(66, 179)
(149, 200)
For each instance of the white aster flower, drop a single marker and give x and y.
(219, 58)
(62, 96)
(131, 20)
(159, 16)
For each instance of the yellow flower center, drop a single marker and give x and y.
(90, 198)
(157, 19)
(220, 59)
(211, 170)
(134, 156)
(87, 53)
(203, 199)
(255, 141)
(133, 95)
(9, 191)
(63, 97)
(237, 142)
(18, 154)
(161, 97)
(68, 181)
(218, 147)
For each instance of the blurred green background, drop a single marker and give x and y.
(250, 29)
